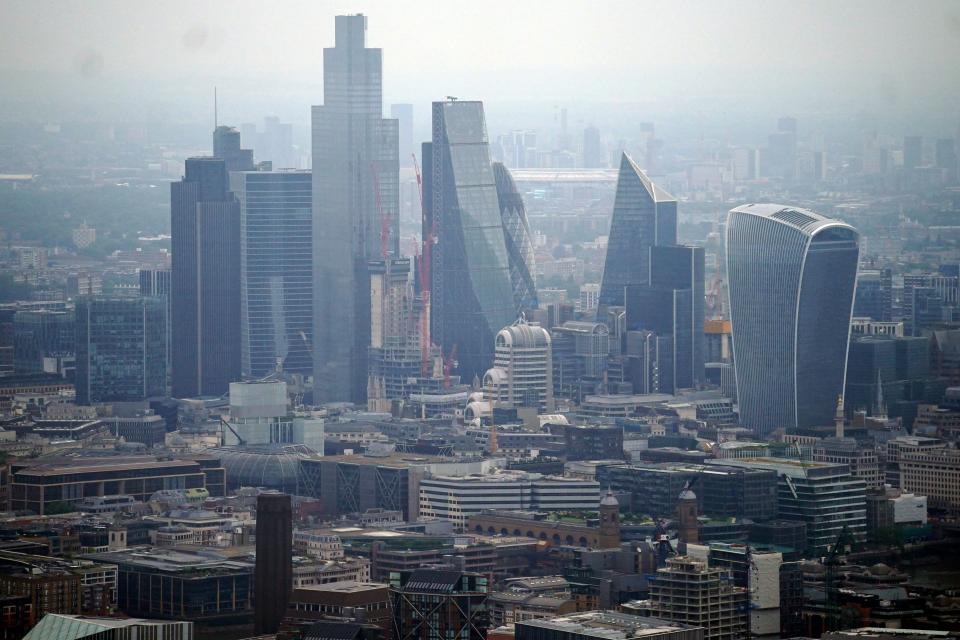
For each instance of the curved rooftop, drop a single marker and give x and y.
(269, 466)
(523, 335)
(809, 222)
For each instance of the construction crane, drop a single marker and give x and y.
(424, 274)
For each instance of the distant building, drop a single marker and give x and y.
(593, 151)
(84, 236)
(276, 271)
(791, 274)
(41, 339)
(205, 280)
(430, 603)
(517, 236)
(121, 349)
(403, 114)
(226, 146)
(912, 152)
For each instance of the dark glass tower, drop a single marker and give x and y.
(516, 235)
(276, 271)
(791, 275)
(273, 573)
(644, 215)
(355, 209)
(121, 349)
(681, 268)
(472, 294)
(205, 281)
(41, 334)
(668, 314)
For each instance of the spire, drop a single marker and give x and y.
(879, 405)
(838, 418)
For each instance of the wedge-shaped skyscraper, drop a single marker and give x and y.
(644, 215)
(472, 295)
(791, 275)
(516, 234)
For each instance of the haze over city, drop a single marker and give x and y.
(490, 320)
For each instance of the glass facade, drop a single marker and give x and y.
(644, 215)
(276, 271)
(472, 294)
(356, 211)
(204, 281)
(791, 276)
(516, 234)
(39, 335)
(121, 349)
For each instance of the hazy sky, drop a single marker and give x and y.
(824, 54)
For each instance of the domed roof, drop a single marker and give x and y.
(880, 569)
(609, 500)
(686, 494)
(269, 466)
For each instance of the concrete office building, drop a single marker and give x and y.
(605, 625)
(471, 289)
(276, 271)
(791, 275)
(205, 280)
(226, 146)
(644, 216)
(458, 498)
(273, 572)
(516, 234)
(355, 208)
(522, 373)
(259, 415)
(121, 349)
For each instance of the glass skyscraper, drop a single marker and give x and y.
(681, 268)
(516, 234)
(356, 187)
(121, 349)
(644, 215)
(204, 281)
(472, 294)
(41, 334)
(276, 271)
(791, 275)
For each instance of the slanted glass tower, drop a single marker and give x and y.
(276, 271)
(472, 294)
(792, 275)
(355, 208)
(516, 234)
(644, 215)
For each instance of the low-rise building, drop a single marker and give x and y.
(605, 625)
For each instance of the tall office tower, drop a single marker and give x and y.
(276, 143)
(516, 235)
(671, 306)
(522, 372)
(156, 283)
(204, 281)
(40, 339)
(434, 603)
(745, 163)
(791, 275)
(355, 211)
(226, 146)
(946, 153)
(276, 271)
(273, 573)
(593, 151)
(403, 114)
(644, 215)
(912, 152)
(471, 291)
(121, 349)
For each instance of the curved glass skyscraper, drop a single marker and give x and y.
(516, 234)
(792, 275)
(472, 295)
